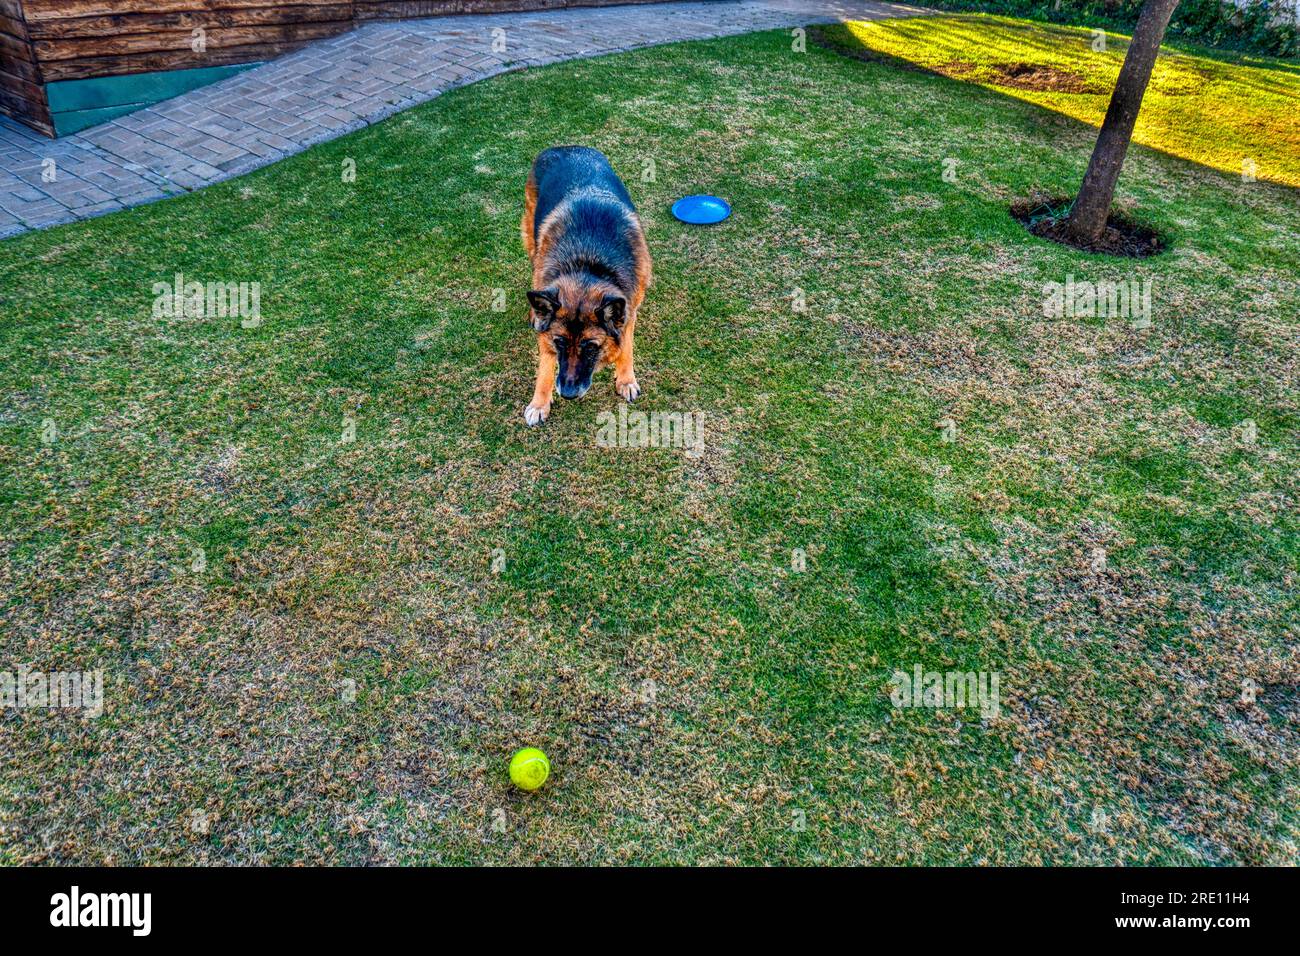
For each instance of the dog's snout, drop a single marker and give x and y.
(575, 374)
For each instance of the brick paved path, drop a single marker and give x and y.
(333, 87)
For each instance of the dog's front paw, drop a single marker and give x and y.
(535, 414)
(629, 391)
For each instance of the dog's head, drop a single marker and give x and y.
(580, 319)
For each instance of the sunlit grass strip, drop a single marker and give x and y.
(1228, 114)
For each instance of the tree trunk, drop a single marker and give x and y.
(1091, 209)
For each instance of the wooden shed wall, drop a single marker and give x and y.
(55, 41)
(77, 39)
(22, 92)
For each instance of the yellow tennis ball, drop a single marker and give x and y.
(529, 768)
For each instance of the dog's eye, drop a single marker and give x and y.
(559, 343)
(590, 346)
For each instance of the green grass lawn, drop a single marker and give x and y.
(375, 625)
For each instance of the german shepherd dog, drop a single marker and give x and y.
(591, 267)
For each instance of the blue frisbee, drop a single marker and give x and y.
(701, 210)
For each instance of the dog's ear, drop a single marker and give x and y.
(544, 303)
(612, 314)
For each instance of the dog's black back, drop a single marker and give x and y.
(599, 218)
